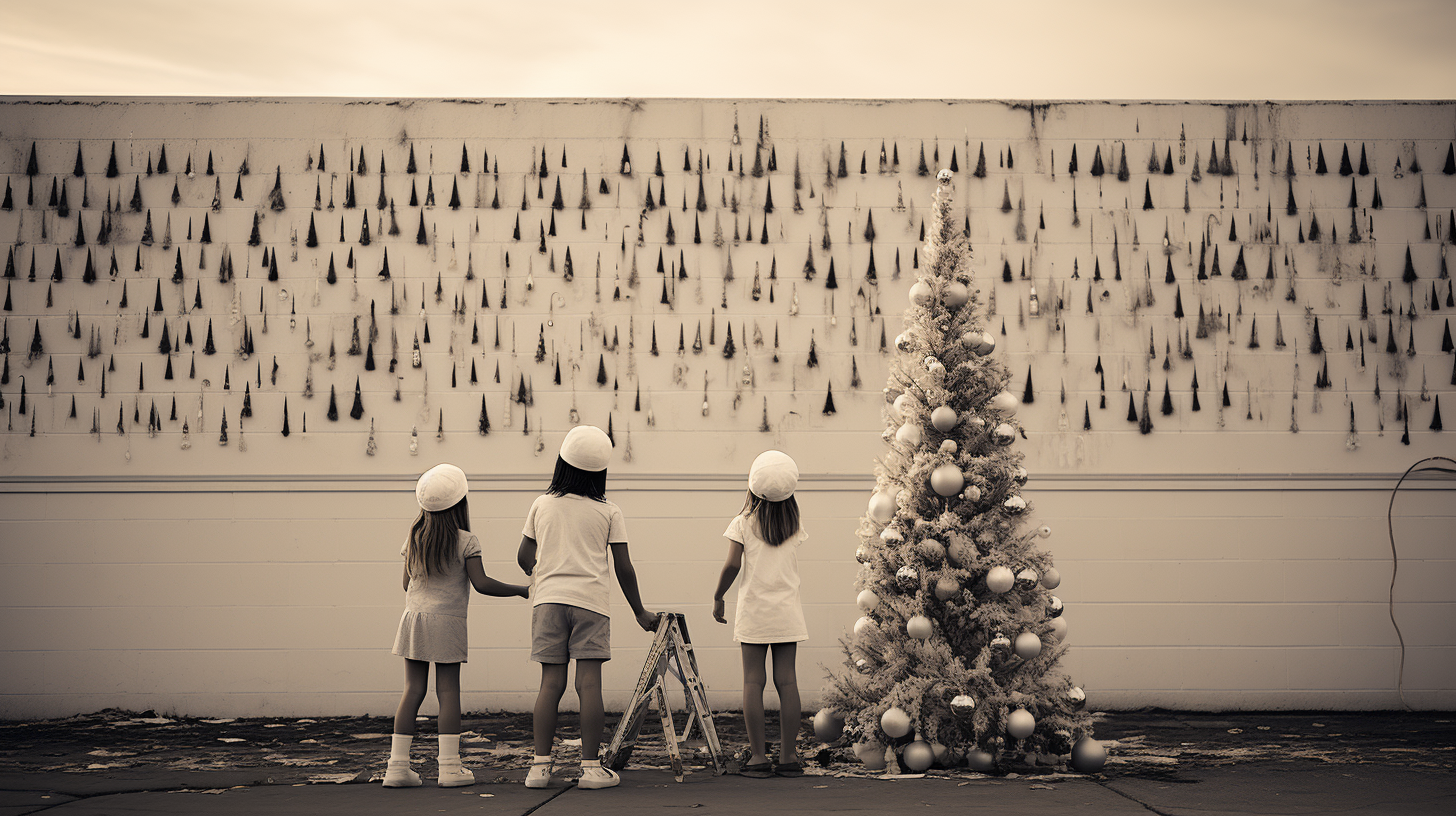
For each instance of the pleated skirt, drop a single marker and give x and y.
(432, 638)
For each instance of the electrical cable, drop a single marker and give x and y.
(1395, 560)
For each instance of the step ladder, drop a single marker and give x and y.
(671, 653)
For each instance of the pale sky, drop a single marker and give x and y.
(1006, 49)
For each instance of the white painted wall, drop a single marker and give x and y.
(1218, 562)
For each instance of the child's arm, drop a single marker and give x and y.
(730, 572)
(627, 580)
(406, 577)
(486, 585)
(526, 555)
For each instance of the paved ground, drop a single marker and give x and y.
(1160, 762)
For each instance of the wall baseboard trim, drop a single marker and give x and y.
(818, 482)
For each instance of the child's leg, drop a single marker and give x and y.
(416, 678)
(790, 709)
(398, 773)
(447, 692)
(753, 683)
(593, 713)
(553, 685)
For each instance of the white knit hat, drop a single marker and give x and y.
(442, 487)
(773, 476)
(587, 447)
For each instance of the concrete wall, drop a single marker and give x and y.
(1222, 560)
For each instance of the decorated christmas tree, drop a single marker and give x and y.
(955, 658)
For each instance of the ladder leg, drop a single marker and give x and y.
(669, 734)
(625, 736)
(698, 702)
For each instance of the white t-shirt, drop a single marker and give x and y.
(769, 610)
(572, 533)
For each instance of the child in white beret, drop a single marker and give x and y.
(442, 563)
(763, 542)
(568, 534)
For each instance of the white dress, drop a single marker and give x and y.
(769, 609)
(433, 626)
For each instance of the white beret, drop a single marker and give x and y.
(586, 447)
(442, 487)
(773, 476)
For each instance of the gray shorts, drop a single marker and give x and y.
(561, 632)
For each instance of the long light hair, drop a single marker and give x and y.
(777, 520)
(434, 539)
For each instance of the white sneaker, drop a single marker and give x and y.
(399, 775)
(455, 775)
(597, 777)
(539, 776)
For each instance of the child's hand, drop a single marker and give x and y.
(718, 611)
(647, 620)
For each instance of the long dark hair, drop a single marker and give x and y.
(571, 479)
(777, 520)
(434, 538)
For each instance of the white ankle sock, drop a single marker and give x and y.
(541, 760)
(450, 748)
(399, 747)
(591, 763)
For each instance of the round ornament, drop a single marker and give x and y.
(1044, 531)
(861, 554)
(947, 588)
(949, 446)
(941, 753)
(971, 340)
(962, 705)
(907, 576)
(918, 756)
(932, 550)
(895, 723)
(947, 480)
(943, 418)
(944, 176)
(1054, 607)
(899, 406)
(1020, 724)
(1000, 580)
(1005, 402)
(882, 506)
(867, 601)
(828, 725)
(1002, 435)
(1026, 579)
(1019, 475)
(980, 761)
(1051, 579)
(1088, 756)
(977, 424)
(921, 294)
(956, 294)
(986, 345)
(972, 494)
(1014, 505)
(902, 341)
(918, 627)
(1058, 630)
(872, 754)
(1077, 697)
(864, 625)
(1001, 643)
(1027, 646)
(890, 535)
(909, 435)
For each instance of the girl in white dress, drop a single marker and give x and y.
(442, 563)
(763, 543)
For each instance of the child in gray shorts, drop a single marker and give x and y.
(564, 546)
